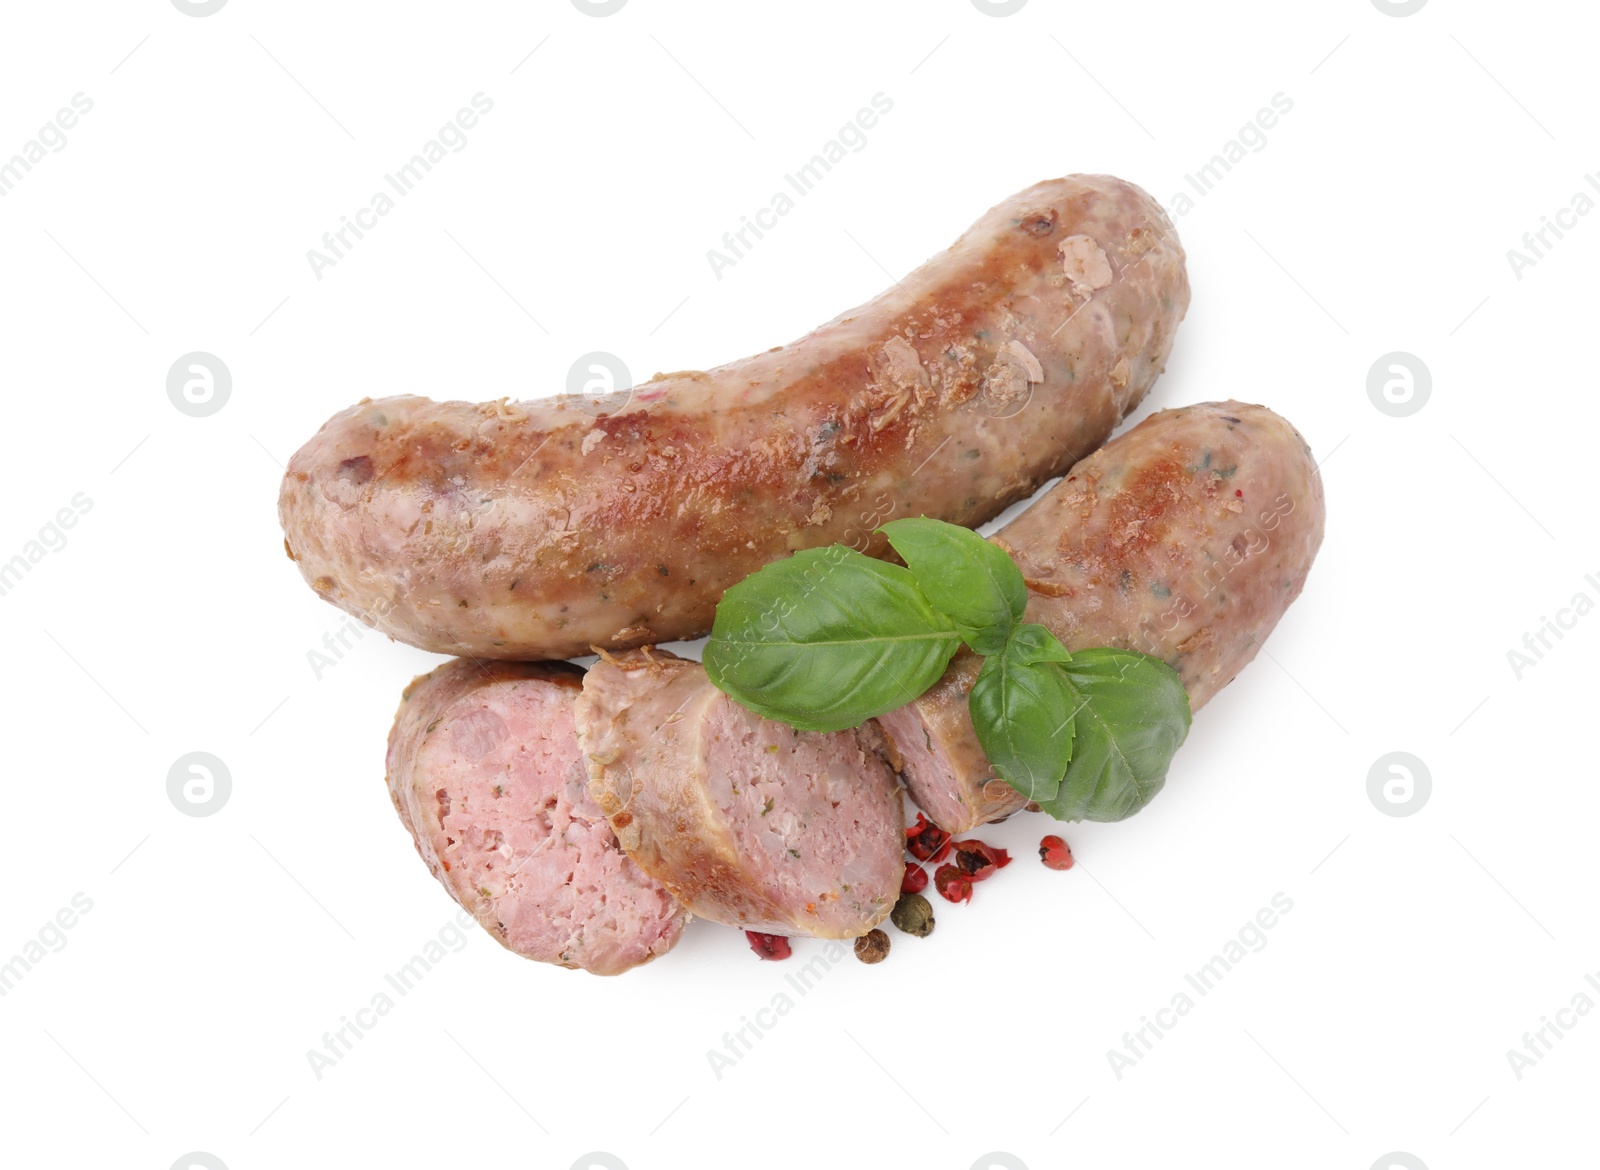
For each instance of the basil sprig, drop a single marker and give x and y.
(827, 639)
(830, 638)
(959, 572)
(1024, 713)
(1133, 716)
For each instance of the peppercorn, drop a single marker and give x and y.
(952, 884)
(872, 947)
(914, 881)
(974, 864)
(768, 946)
(913, 914)
(1055, 853)
(978, 860)
(926, 841)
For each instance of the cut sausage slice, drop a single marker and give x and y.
(484, 770)
(534, 530)
(746, 820)
(1186, 539)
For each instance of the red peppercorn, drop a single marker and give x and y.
(975, 865)
(1055, 853)
(915, 880)
(979, 860)
(768, 946)
(952, 884)
(926, 841)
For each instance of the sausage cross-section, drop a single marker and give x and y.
(484, 770)
(747, 821)
(1185, 539)
(528, 530)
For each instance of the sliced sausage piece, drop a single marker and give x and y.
(537, 529)
(1186, 539)
(484, 770)
(746, 820)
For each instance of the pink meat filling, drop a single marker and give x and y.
(524, 847)
(930, 777)
(816, 819)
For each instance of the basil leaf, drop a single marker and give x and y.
(1023, 714)
(1133, 715)
(963, 575)
(1030, 643)
(827, 639)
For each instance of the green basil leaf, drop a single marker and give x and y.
(963, 575)
(827, 639)
(1022, 712)
(1133, 715)
(987, 641)
(1030, 643)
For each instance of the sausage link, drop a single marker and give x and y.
(1185, 539)
(535, 530)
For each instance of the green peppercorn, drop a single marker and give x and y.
(913, 914)
(872, 947)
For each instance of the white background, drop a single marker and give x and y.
(1377, 218)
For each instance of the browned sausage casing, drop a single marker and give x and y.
(1186, 539)
(535, 529)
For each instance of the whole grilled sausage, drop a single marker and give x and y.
(537, 529)
(1186, 539)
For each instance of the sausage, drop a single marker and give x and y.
(747, 821)
(484, 770)
(535, 530)
(1185, 539)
